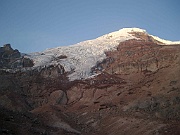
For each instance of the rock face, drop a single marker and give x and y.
(140, 79)
(58, 97)
(10, 58)
(135, 90)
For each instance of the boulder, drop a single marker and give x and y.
(58, 97)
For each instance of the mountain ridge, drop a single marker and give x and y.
(81, 57)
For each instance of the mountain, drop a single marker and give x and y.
(123, 82)
(81, 57)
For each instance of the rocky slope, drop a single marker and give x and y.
(126, 82)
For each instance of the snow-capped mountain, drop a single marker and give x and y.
(78, 59)
(129, 76)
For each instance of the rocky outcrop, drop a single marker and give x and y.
(58, 97)
(10, 59)
(33, 88)
(52, 71)
(145, 37)
(134, 56)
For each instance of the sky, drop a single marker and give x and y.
(35, 25)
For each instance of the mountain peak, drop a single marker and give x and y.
(132, 30)
(81, 57)
(128, 33)
(124, 32)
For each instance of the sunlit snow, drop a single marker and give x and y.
(82, 56)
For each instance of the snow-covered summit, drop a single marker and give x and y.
(82, 56)
(122, 33)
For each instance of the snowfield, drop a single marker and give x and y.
(82, 56)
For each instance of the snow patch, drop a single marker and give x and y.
(167, 42)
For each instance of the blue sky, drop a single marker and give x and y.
(35, 25)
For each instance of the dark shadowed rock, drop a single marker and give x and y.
(7, 47)
(11, 59)
(27, 62)
(52, 71)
